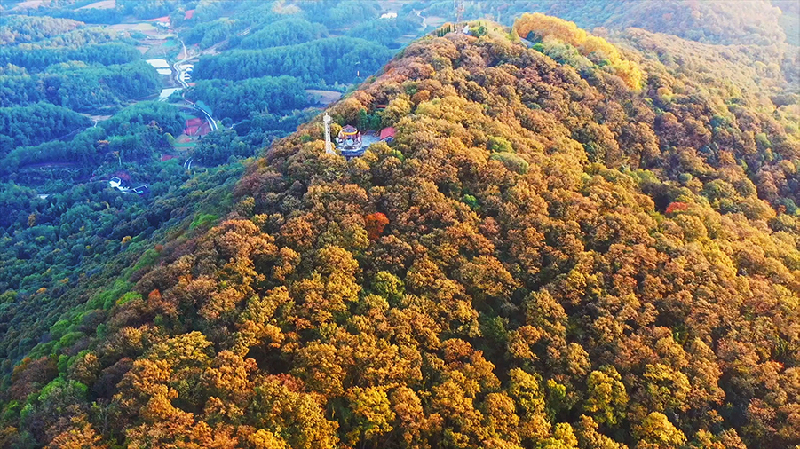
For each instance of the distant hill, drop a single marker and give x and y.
(568, 244)
(717, 22)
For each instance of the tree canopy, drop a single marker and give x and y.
(571, 242)
(545, 256)
(335, 59)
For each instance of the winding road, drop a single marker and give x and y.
(178, 66)
(181, 71)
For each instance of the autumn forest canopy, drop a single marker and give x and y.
(575, 240)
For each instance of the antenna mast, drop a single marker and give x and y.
(459, 7)
(327, 120)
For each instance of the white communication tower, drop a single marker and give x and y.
(328, 147)
(459, 7)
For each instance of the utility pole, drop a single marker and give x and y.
(327, 120)
(459, 7)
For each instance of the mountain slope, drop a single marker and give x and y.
(546, 256)
(751, 22)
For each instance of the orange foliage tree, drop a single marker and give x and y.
(375, 224)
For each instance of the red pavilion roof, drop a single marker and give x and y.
(387, 132)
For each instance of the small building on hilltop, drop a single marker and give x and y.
(349, 138)
(118, 183)
(387, 134)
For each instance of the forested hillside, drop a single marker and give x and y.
(766, 29)
(568, 244)
(749, 22)
(78, 107)
(17, 29)
(330, 60)
(37, 123)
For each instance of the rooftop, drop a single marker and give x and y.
(158, 63)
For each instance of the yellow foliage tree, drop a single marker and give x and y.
(372, 410)
(546, 27)
(656, 432)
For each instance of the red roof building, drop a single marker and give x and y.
(189, 15)
(387, 133)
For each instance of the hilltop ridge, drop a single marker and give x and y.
(551, 254)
